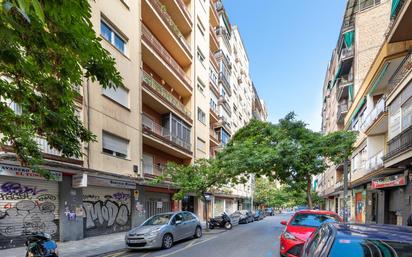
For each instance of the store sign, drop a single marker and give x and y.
(391, 181)
(107, 182)
(23, 172)
(79, 181)
(159, 205)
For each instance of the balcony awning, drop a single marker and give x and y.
(378, 80)
(348, 38)
(350, 90)
(395, 5)
(337, 74)
(360, 105)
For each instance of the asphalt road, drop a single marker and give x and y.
(257, 239)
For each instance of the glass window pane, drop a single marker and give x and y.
(119, 43)
(105, 31)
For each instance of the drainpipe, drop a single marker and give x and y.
(88, 119)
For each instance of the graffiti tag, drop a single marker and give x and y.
(46, 197)
(106, 213)
(120, 196)
(17, 188)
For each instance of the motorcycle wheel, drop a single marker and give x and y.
(211, 226)
(228, 225)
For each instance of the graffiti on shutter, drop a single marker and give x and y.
(107, 210)
(27, 206)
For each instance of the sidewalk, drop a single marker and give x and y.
(85, 247)
(92, 246)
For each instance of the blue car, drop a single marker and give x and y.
(358, 240)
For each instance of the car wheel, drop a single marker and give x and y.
(167, 241)
(228, 225)
(198, 232)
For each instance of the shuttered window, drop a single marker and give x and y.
(147, 164)
(120, 95)
(114, 145)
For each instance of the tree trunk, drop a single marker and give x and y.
(309, 193)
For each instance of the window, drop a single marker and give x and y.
(201, 29)
(120, 95)
(200, 56)
(313, 220)
(114, 145)
(201, 88)
(369, 247)
(201, 144)
(112, 36)
(407, 114)
(201, 116)
(187, 216)
(147, 164)
(180, 133)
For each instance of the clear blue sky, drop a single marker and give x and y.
(289, 44)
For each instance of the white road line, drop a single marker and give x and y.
(187, 247)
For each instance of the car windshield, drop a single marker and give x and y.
(160, 219)
(312, 219)
(370, 248)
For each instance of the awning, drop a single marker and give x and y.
(395, 5)
(337, 74)
(360, 105)
(350, 90)
(348, 38)
(378, 80)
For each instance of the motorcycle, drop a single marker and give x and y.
(39, 244)
(222, 221)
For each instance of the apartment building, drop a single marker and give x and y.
(379, 189)
(187, 90)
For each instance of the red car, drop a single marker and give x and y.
(300, 227)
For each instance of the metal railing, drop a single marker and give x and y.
(152, 83)
(347, 53)
(342, 109)
(400, 143)
(150, 124)
(373, 115)
(45, 147)
(161, 10)
(375, 162)
(338, 184)
(225, 82)
(164, 54)
(401, 72)
(214, 135)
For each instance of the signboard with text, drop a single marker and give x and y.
(24, 172)
(79, 181)
(107, 182)
(390, 181)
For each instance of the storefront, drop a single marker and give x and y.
(159, 200)
(28, 203)
(359, 204)
(394, 199)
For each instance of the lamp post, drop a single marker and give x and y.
(345, 190)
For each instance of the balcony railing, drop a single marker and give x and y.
(213, 60)
(183, 7)
(164, 54)
(161, 10)
(214, 36)
(214, 135)
(45, 147)
(373, 115)
(150, 125)
(338, 184)
(342, 110)
(347, 53)
(154, 85)
(403, 70)
(225, 82)
(375, 162)
(399, 144)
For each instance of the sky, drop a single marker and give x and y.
(289, 44)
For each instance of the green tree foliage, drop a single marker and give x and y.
(46, 49)
(287, 151)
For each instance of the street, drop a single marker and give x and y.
(257, 239)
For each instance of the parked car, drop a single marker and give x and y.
(269, 212)
(359, 240)
(235, 218)
(258, 215)
(162, 230)
(245, 217)
(300, 226)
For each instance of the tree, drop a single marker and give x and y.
(199, 178)
(287, 151)
(46, 49)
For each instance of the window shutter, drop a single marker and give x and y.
(115, 144)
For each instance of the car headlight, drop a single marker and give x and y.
(289, 236)
(153, 233)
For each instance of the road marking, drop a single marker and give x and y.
(188, 246)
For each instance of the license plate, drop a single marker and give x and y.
(133, 241)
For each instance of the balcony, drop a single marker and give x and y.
(213, 16)
(181, 14)
(214, 43)
(223, 101)
(347, 53)
(150, 84)
(401, 19)
(339, 185)
(342, 110)
(53, 154)
(158, 136)
(375, 162)
(400, 74)
(399, 144)
(374, 122)
(344, 83)
(158, 170)
(225, 82)
(157, 57)
(214, 138)
(223, 122)
(156, 17)
(213, 114)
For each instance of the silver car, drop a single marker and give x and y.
(161, 230)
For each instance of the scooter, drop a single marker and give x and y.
(222, 221)
(39, 244)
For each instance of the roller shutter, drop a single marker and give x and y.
(27, 205)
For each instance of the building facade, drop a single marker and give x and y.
(379, 181)
(187, 90)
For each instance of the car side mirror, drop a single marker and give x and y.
(178, 222)
(284, 222)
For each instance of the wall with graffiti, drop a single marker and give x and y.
(27, 205)
(106, 210)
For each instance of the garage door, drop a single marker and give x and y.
(27, 205)
(107, 210)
